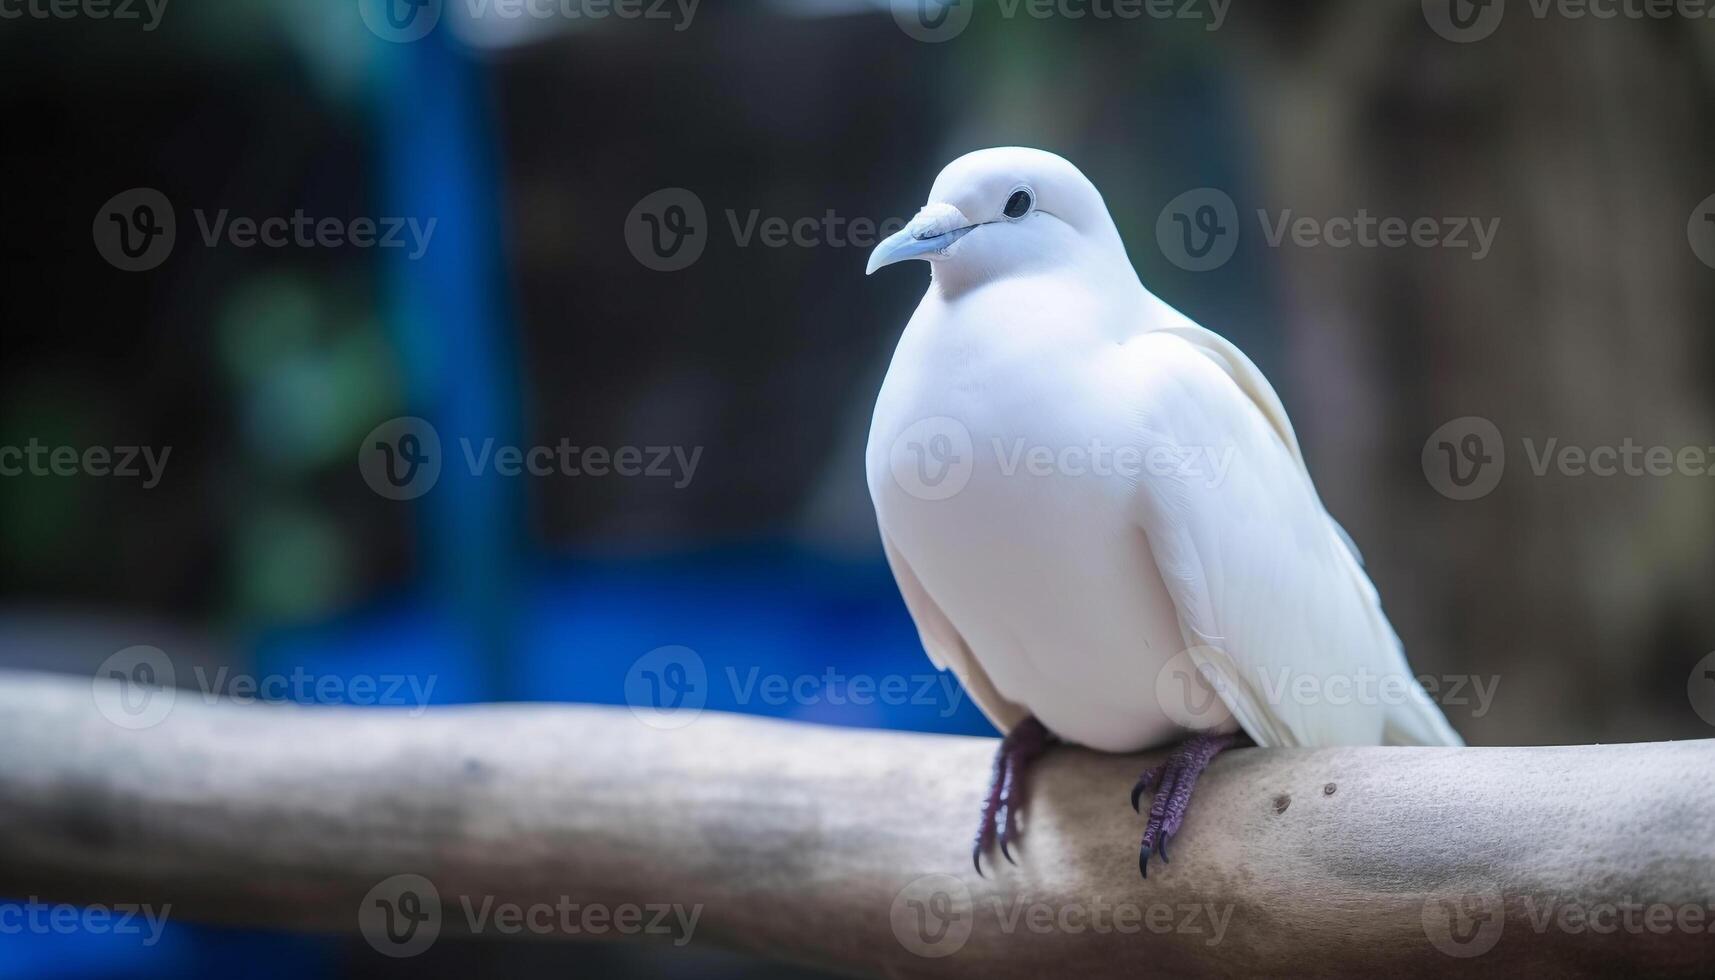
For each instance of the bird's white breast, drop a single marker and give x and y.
(997, 465)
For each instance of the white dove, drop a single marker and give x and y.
(1097, 511)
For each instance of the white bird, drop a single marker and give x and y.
(1097, 511)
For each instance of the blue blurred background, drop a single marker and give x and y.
(529, 321)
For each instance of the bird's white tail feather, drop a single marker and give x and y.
(1413, 723)
(1417, 720)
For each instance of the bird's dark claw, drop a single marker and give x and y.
(1172, 782)
(1145, 783)
(1005, 799)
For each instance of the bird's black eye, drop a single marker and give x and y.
(1018, 205)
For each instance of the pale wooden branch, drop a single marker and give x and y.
(803, 843)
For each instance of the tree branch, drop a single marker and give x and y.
(848, 849)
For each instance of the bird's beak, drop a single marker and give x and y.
(931, 233)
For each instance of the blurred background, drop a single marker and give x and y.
(600, 274)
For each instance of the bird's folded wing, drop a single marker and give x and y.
(1255, 385)
(946, 648)
(1273, 605)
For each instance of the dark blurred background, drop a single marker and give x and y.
(531, 318)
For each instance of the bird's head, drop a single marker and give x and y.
(1003, 212)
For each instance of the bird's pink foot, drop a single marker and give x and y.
(1006, 794)
(1172, 782)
